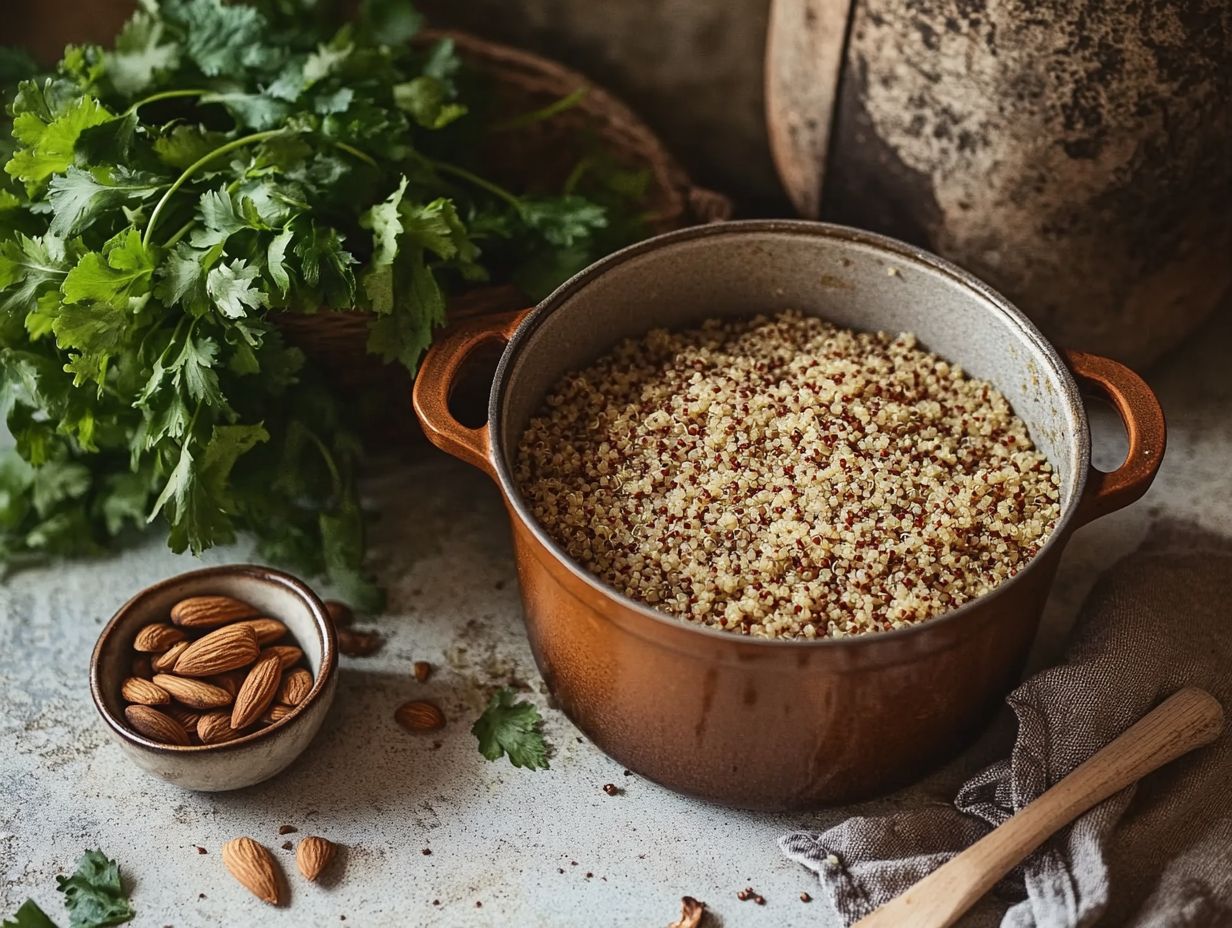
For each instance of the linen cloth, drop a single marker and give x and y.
(1156, 854)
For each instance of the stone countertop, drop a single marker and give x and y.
(508, 847)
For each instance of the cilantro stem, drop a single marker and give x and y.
(329, 462)
(555, 108)
(475, 179)
(164, 95)
(192, 169)
(355, 153)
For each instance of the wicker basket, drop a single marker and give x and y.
(543, 154)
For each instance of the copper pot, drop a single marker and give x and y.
(783, 724)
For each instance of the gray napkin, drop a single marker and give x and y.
(1155, 854)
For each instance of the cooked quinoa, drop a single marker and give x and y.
(785, 478)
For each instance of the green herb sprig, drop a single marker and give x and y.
(163, 199)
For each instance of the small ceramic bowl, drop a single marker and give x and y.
(248, 759)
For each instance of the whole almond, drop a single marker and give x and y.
(158, 637)
(268, 630)
(296, 686)
(226, 648)
(210, 611)
(215, 727)
(354, 642)
(258, 691)
(144, 693)
(253, 866)
(313, 855)
(156, 725)
(276, 713)
(231, 681)
(165, 662)
(420, 716)
(184, 715)
(340, 612)
(196, 694)
(288, 654)
(422, 670)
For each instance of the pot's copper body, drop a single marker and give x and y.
(776, 724)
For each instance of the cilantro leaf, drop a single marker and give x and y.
(48, 145)
(140, 54)
(219, 38)
(29, 915)
(231, 287)
(93, 894)
(122, 272)
(512, 728)
(79, 197)
(563, 220)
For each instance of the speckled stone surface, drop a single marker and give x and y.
(545, 848)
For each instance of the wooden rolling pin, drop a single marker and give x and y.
(1186, 720)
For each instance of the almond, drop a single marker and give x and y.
(226, 648)
(253, 866)
(143, 692)
(156, 725)
(313, 855)
(691, 913)
(184, 715)
(295, 687)
(210, 611)
(165, 662)
(215, 727)
(268, 630)
(196, 694)
(156, 638)
(420, 716)
(357, 643)
(276, 713)
(257, 692)
(422, 670)
(288, 654)
(231, 681)
(340, 612)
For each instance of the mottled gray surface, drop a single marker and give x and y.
(498, 835)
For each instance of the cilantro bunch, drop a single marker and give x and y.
(162, 199)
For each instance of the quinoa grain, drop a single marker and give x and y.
(781, 477)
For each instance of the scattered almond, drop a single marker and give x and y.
(215, 727)
(268, 630)
(210, 611)
(156, 725)
(355, 643)
(420, 716)
(422, 670)
(165, 662)
(691, 913)
(257, 691)
(340, 612)
(143, 692)
(196, 694)
(296, 686)
(158, 637)
(313, 855)
(226, 648)
(253, 866)
(288, 654)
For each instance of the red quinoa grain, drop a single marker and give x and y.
(781, 477)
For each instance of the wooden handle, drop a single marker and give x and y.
(1143, 417)
(1186, 720)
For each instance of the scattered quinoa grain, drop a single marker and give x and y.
(781, 477)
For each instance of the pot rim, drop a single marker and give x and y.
(807, 228)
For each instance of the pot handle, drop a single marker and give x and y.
(1143, 418)
(437, 376)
